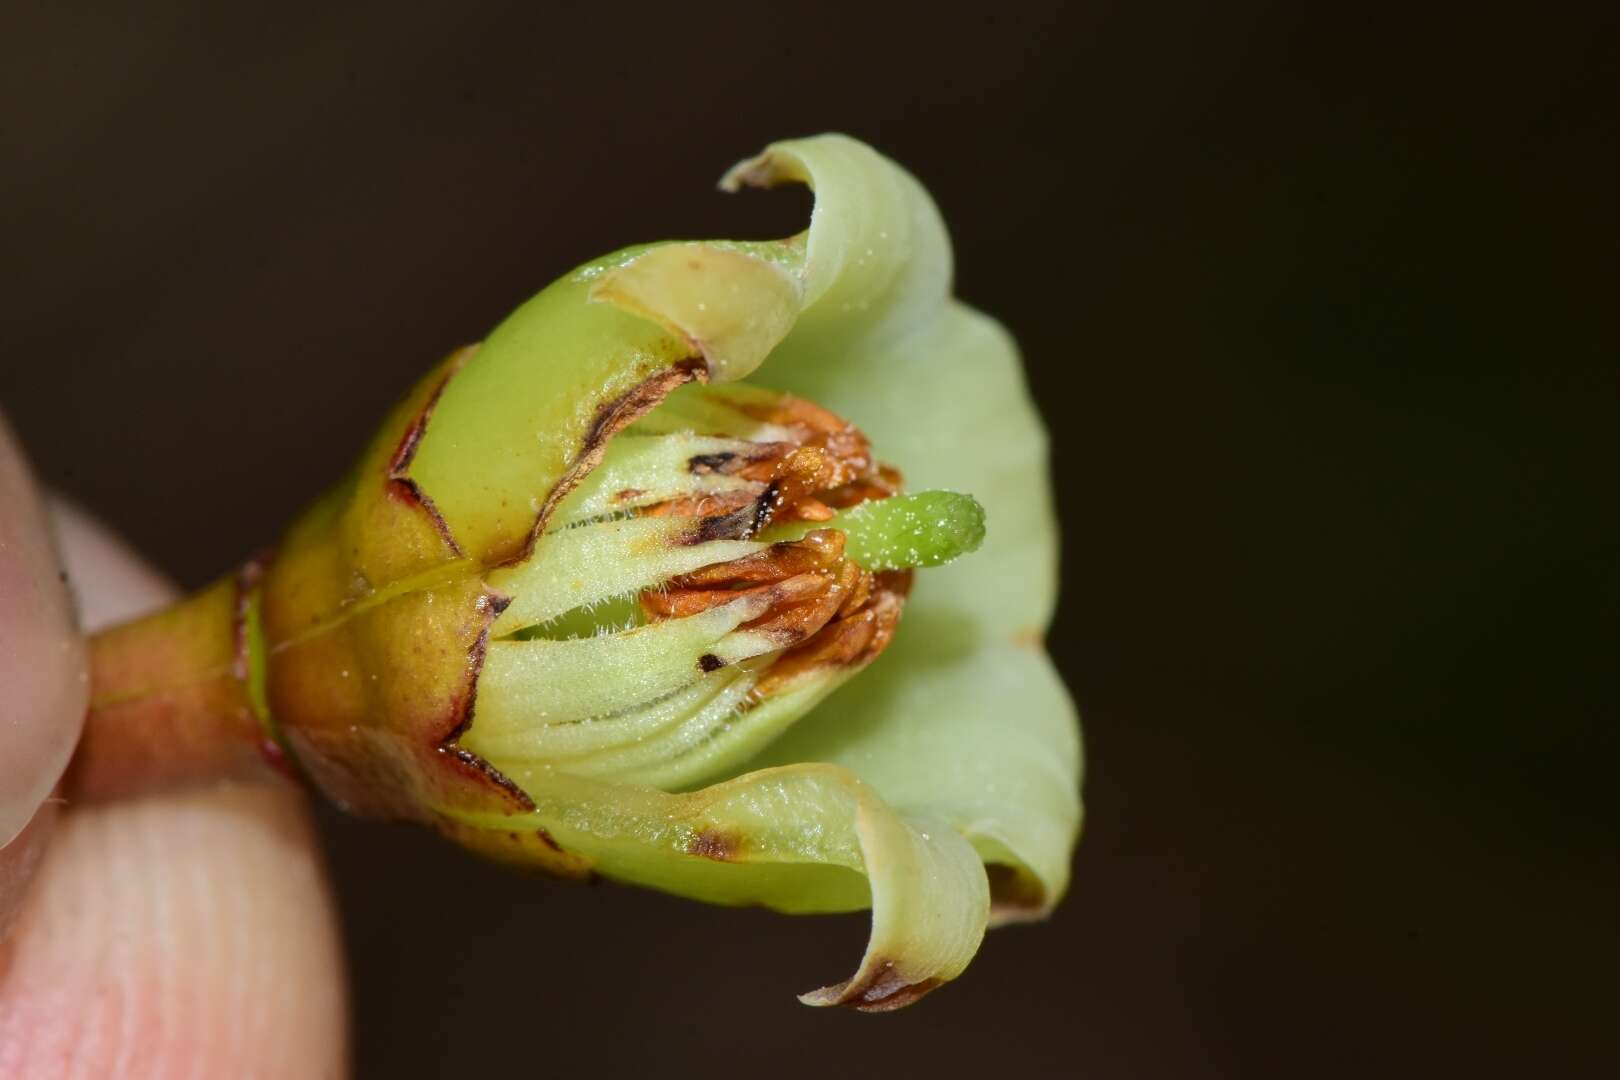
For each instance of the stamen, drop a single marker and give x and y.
(817, 550)
(850, 640)
(679, 603)
(825, 610)
(692, 567)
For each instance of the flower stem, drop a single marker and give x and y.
(171, 703)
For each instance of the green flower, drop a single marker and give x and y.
(592, 603)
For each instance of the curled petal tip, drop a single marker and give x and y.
(768, 168)
(882, 989)
(732, 307)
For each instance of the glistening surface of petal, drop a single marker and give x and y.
(541, 396)
(964, 725)
(964, 719)
(976, 733)
(936, 385)
(731, 305)
(877, 261)
(587, 565)
(806, 838)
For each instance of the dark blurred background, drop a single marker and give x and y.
(1319, 301)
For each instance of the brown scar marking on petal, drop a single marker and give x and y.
(474, 765)
(766, 506)
(628, 493)
(703, 464)
(1031, 637)
(490, 605)
(743, 523)
(885, 989)
(737, 525)
(550, 841)
(757, 461)
(400, 484)
(898, 998)
(611, 417)
(710, 843)
(405, 452)
(616, 413)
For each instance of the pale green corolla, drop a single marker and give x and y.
(939, 787)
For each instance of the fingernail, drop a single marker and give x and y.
(44, 682)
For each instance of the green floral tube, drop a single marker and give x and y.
(592, 602)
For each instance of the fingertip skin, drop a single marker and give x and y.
(19, 861)
(186, 935)
(180, 936)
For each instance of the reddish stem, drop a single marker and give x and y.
(170, 704)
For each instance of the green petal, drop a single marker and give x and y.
(807, 838)
(877, 262)
(518, 416)
(589, 564)
(527, 684)
(964, 717)
(973, 732)
(963, 737)
(937, 385)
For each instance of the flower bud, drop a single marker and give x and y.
(586, 598)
